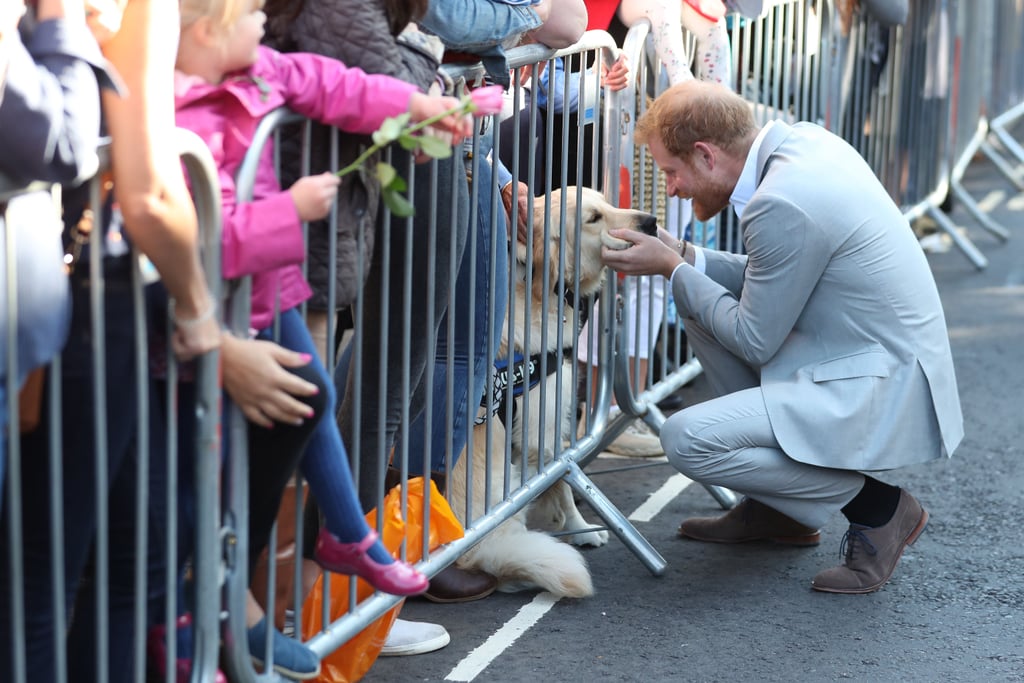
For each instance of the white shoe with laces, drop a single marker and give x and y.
(414, 638)
(637, 441)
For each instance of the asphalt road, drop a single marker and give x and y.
(954, 610)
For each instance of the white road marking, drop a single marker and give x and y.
(654, 504)
(991, 200)
(1016, 203)
(480, 658)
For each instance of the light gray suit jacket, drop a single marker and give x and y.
(835, 304)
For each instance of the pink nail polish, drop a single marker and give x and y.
(305, 357)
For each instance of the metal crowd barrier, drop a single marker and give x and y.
(892, 94)
(916, 101)
(202, 555)
(593, 124)
(1007, 95)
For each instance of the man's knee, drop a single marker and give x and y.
(681, 444)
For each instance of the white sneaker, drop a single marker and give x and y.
(638, 441)
(289, 623)
(414, 638)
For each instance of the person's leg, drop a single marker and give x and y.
(325, 462)
(666, 19)
(478, 315)
(122, 600)
(316, 321)
(273, 456)
(714, 60)
(346, 543)
(724, 371)
(3, 433)
(372, 407)
(728, 441)
(78, 471)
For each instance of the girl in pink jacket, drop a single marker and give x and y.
(225, 83)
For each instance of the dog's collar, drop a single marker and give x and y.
(521, 375)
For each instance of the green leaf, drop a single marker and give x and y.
(409, 143)
(390, 129)
(398, 204)
(398, 184)
(435, 147)
(386, 173)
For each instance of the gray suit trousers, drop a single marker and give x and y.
(728, 441)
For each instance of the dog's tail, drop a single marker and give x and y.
(522, 559)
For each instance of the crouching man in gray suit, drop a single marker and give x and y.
(825, 344)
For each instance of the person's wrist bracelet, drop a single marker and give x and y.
(190, 323)
(683, 245)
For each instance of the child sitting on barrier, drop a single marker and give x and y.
(225, 84)
(704, 19)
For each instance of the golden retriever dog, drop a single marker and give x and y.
(520, 557)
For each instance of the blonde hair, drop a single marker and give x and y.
(223, 13)
(697, 111)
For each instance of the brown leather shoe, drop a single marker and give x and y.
(872, 552)
(455, 584)
(749, 521)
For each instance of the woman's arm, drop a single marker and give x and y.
(158, 213)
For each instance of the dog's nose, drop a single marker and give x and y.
(649, 225)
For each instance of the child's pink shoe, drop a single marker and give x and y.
(157, 653)
(397, 578)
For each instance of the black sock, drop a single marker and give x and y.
(874, 505)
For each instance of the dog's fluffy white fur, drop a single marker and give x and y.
(518, 556)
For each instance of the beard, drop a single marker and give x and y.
(710, 200)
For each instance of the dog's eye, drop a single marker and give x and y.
(594, 217)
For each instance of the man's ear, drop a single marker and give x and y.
(704, 155)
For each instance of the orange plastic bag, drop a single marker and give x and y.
(352, 660)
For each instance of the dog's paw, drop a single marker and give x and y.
(596, 538)
(614, 242)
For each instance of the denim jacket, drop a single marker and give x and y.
(481, 27)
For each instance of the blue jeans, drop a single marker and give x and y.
(476, 25)
(480, 27)
(478, 317)
(79, 498)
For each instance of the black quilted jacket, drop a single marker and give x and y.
(356, 32)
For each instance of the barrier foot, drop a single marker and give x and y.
(615, 520)
(1002, 165)
(983, 219)
(961, 241)
(1011, 145)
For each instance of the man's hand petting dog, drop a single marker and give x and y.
(647, 254)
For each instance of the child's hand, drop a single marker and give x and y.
(313, 195)
(616, 76)
(424, 107)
